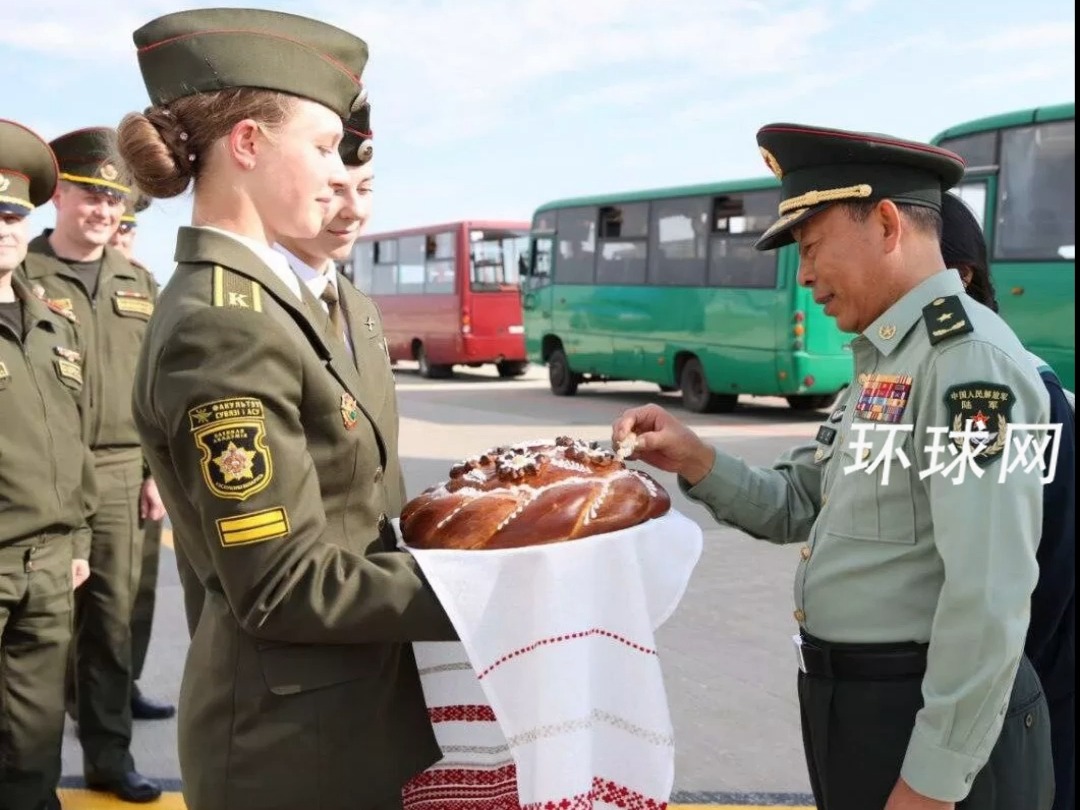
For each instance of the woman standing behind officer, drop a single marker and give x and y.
(1051, 635)
(272, 453)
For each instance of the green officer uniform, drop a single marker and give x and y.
(113, 300)
(142, 607)
(912, 594)
(274, 451)
(46, 498)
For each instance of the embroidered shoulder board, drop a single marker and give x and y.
(233, 290)
(945, 318)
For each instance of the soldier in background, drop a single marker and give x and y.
(142, 611)
(113, 300)
(46, 491)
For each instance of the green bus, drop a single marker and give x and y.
(1021, 181)
(665, 286)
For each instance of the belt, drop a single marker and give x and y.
(859, 662)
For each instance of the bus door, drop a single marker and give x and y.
(1033, 239)
(536, 292)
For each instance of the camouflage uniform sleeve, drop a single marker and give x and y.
(778, 503)
(986, 531)
(282, 581)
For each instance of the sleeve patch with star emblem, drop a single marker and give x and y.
(983, 410)
(945, 318)
(231, 436)
(268, 524)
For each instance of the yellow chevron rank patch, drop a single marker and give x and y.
(257, 527)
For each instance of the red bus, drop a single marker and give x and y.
(448, 293)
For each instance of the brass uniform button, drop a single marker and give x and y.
(800, 617)
(863, 378)
(383, 520)
(805, 552)
(378, 474)
(865, 453)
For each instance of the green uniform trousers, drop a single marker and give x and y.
(142, 610)
(35, 632)
(103, 610)
(856, 732)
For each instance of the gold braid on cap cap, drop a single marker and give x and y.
(812, 198)
(94, 181)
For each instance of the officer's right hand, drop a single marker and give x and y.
(664, 442)
(80, 572)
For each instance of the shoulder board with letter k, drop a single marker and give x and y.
(233, 290)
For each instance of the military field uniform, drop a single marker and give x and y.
(113, 303)
(142, 606)
(46, 499)
(912, 592)
(275, 452)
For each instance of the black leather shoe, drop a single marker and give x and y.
(130, 787)
(143, 708)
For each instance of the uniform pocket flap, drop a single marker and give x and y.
(294, 668)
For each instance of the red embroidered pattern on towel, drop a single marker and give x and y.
(544, 642)
(603, 791)
(463, 788)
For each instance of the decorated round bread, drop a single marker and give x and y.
(531, 494)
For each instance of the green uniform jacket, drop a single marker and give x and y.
(919, 557)
(113, 324)
(46, 472)
(276, 459)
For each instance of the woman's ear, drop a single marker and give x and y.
(243, 146)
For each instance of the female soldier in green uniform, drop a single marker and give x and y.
(273, 456)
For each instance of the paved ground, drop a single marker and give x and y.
(726, 652)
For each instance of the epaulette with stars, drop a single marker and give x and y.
(945, 317)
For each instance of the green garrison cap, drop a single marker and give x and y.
(86, 157)
(818, 167)
(134, 205)
(209, 49)
(356, 147)
(28, 169)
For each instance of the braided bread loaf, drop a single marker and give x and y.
(531, 494)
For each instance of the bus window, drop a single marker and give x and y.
(973, 192)
(1036, 217)
(439, 263)
(577, 246)
(384, 276)
(539, 263)
(979, 151)
(494, 260)
(738, 222)
(624, 231)
(677, 242)
(363, 265)
(411, 265)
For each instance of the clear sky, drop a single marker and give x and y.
(488, 108)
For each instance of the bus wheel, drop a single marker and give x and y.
(563, 381)
(696, 394)
(511, 368)
(810, 402)
(427, 369)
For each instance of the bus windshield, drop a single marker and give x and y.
(496, 259)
